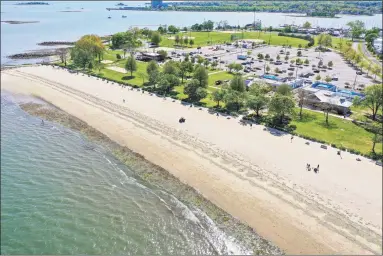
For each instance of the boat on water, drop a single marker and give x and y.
(109, 17)
(124, 16)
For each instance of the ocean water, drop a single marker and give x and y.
(55, 25)
(61, 194)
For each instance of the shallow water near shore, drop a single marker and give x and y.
(62, 194)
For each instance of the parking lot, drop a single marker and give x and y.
(343, 75)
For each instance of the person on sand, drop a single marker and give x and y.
(42, 122)
(217, 114)
(292, 137)
(251, 126)
(123, 100)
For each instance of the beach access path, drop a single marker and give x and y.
(256, 175)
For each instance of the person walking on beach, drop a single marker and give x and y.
(42, 122)
(292, 137)
(217, 114)
(251, 125)
(123, 100)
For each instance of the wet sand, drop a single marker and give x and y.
(257, 177)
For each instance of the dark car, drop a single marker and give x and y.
(291, 69)
(222, 61)
(218, 82)
(316, 71)
(215, 57)
(257, 68)
(227, 51)
(335, 79)
(247, 70)
(359, 73)
(277, 63)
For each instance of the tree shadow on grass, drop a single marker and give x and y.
(127, 78)
(306, 118)
(329, 126)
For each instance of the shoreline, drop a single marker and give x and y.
(280, 210)
(153, 174)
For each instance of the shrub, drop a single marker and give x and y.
(118, 56)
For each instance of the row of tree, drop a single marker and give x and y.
(356, 58)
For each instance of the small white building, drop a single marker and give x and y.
(317, 97)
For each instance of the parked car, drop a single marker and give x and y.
(258, 68)
(291, 69)
(335, 78)
(316, 71)
(215, 57)
(218, 82)
(359, 73)
(222, 62)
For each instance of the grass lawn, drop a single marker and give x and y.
(223, 75)
(275, 39)
(202, 38)
(340, 132)
(122, 77)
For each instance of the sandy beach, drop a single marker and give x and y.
(256, 176)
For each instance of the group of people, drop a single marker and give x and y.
(316, 169)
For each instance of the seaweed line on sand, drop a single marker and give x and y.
(156, 176)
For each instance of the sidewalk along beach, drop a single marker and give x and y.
(257, 176)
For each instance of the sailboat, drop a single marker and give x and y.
(123, 16)
(109, 17)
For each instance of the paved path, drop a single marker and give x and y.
(367, 53)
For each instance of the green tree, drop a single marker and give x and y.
(206, 63)
(377, 137)
(256, 99)
(286, 57)
(267, 56)
(357, 28)
(317, 77)
(267, 69)
(184, 68)
(163, 54)
(200, 59)
(330, 64)
(302, 97)
(235, 99)
(131, 65)
(328, 79)
(307, 25)
(237, 67)
(219, 95)
(177, 39)
(143, 76)
(156, 38)
(214, 64)
(260, 56)
(173, 29)
(278, 57)
(191, 42)
(171, 67)
(238, 84)
(284, 89)
(81, 57)
(118, 40)
(167, 82)
(195, 91)
(281, 105)
(153, 72)
(202, 76)
(186, 41)
(307, 62)
(373, 99)
(376, 70)
(299, 53)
